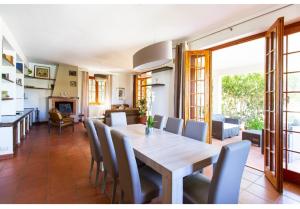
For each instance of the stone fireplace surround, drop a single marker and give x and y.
(75, 100)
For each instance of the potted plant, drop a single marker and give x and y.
(150, 124)
(142, 106)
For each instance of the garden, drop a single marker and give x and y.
(243, 98)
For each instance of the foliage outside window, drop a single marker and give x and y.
(243, 98)
(143, 92)
(96, 91)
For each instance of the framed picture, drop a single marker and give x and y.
(41, 71)
(73, 83)
(72, 73)
(121, 93)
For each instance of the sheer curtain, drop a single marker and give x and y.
(108, 93)
(85, 94)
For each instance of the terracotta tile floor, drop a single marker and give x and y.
(255, 158)
(54, 169)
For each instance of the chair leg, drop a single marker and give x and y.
(91, 168)
(97, 173)
(103, 185)
(115, 184)
(59, 130)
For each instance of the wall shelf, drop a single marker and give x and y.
(32, 87)
(7, 98)
(8, 80)
(31, 77)
(154, 85)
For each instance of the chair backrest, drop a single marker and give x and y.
(226, 180)
(174, 125)
(158, 121)
(55, 116)
(108, 150)
(196, 130)
(128, 171)
(94, 140)
(118, 119)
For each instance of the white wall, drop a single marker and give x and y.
(122, 81)
(163, 96)
(37, 98)
(291, 14)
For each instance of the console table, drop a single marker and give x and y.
(12, 129)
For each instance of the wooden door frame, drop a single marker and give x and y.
(277, 178)
(207, 91)
(289, 175)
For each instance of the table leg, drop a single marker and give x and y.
(172, 186)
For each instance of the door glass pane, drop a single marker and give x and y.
(293, 62)
(200, 86)
(293, 80)
(293, 160)
(293, 102)
(193, 87)
(293, 42)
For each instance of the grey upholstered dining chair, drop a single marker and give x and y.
(95, 148)
(196, 130)
(109, 156)
(137, 186)
(224, 187)
(174, 125)
(158, 121)
(118, 119)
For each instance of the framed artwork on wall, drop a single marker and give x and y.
(41, 71)
(121, 93)
(72, 73)
(73, 83)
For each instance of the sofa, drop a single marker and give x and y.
(132, 115)
(223, 127)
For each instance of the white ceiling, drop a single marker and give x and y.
(105, 37)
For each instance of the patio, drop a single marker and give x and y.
(255, 158)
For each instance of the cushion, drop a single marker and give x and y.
(218, 117)
(230, 125)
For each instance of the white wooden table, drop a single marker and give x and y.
(171, 155)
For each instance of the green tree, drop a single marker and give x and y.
(243, 97)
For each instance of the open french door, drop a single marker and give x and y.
(198, 87)
(273, 150)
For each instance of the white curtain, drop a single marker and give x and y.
(85, 94)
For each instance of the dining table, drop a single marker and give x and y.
(172, 155)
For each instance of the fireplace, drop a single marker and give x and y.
(66, 105)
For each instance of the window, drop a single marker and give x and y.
(142, 90)
(96, 91)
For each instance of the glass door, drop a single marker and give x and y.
(273, 104)
(198, 87)
(291, 108)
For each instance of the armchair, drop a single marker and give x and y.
(223, 128)
(58, 120)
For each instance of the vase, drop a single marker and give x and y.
(149, 130)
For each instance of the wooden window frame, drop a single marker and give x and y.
(140, 93)
(288, 29)
(97, 99)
